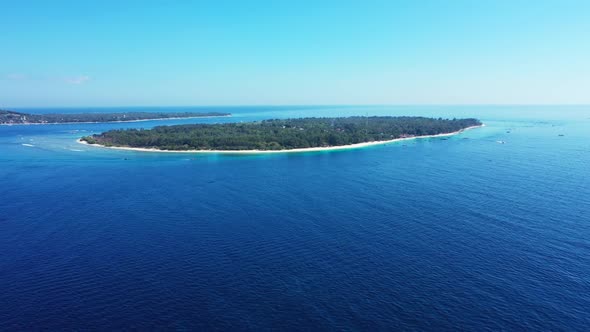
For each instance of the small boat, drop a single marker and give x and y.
(561, 135)
(501, 142)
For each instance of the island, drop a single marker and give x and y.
(280, 135)
(16, 118)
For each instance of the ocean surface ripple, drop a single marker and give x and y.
(464, 233)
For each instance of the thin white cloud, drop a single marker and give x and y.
(77, 79)
(16, 77)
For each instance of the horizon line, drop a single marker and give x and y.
(300, 105)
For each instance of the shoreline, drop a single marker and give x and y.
(120, 121)
(297, 150)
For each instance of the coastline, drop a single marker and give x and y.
(298, 150)
(120, 121)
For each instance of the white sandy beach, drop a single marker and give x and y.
(327, 148)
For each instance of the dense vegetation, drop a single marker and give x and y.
(10, 117)
(279, 134)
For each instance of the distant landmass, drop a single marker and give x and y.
(12, 118)
(277, 135)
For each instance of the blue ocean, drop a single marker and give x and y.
(486, 230)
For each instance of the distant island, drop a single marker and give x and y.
(14, 118)
(280, 135)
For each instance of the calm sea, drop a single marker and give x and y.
(463, 233)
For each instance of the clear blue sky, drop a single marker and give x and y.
(118, 53)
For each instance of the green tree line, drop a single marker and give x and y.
(279, 134)
(11, 117)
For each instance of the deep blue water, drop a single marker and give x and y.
(457, 234)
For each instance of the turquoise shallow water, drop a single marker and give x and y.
(432, 234)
